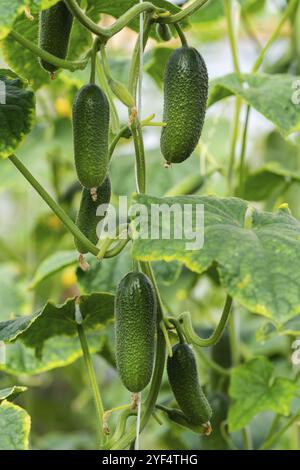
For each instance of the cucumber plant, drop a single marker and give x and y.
(248, 253)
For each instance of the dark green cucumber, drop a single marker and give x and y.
(135, 309)
(87, 219)
(185, 99)
(55, 28)
(163, 32)
(90, 133)
(184, 381)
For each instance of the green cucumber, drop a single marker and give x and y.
(90, 134)
(163, 32)
(54, 34)
(87, 219)
(184, 381)
(135, 309)
(185, 99)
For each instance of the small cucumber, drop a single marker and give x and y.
(163, 32)
(55, 29)
(90, 134)
(185, 99)
(184, 381)
(87, 220)
(135, 309)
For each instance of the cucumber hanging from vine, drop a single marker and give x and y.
(184, 381)
(135, 311)
(54, 33)
(185, 95)
(90, 134)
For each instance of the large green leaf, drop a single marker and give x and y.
(59, 351)
(54, 264)
(258, 265)
(155, 62)
(14, 427)
(270, 95)
(96, 310)
(266, 179)
(255, 389)
(11, 393)
(17, 112)
(9, 10)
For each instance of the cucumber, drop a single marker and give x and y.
(90, 134)
(185, 99)
(184, 381)
(163, 32)
(87, 220)
(54, 32)
(135, 315)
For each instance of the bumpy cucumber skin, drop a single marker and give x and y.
(90, 134)
(185, 92)
(87, 220)
(135, 315)
(184, 381)
(55, 28)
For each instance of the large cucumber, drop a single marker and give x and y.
(90, 132)
(55, 28)
(135, 330)
(185, 95)
(87, 220)
(184, 381)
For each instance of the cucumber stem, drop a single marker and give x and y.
(92, 378)
(46, 56)
(181, 35)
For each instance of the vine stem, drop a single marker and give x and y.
(234, 342)
(235, 60)
(184, 13)
(274, 438)
(243, 154)
(255, 68)
(52, 59)
(92, 378)
(181, 35)
(231, 33)
(94, 61)
(292, 4)
(61, 214)
(118, 25)
(193, 338)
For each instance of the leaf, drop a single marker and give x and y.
(52, 265)
(17, 112)
(270, 95)
(9, 10)
(14, 427)
(11, 393)
(58, 351)
(96, 310)
(155, 62)
(266, 179)
(258, 266)
(255, 389)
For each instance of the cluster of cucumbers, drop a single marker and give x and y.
(185, 90)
